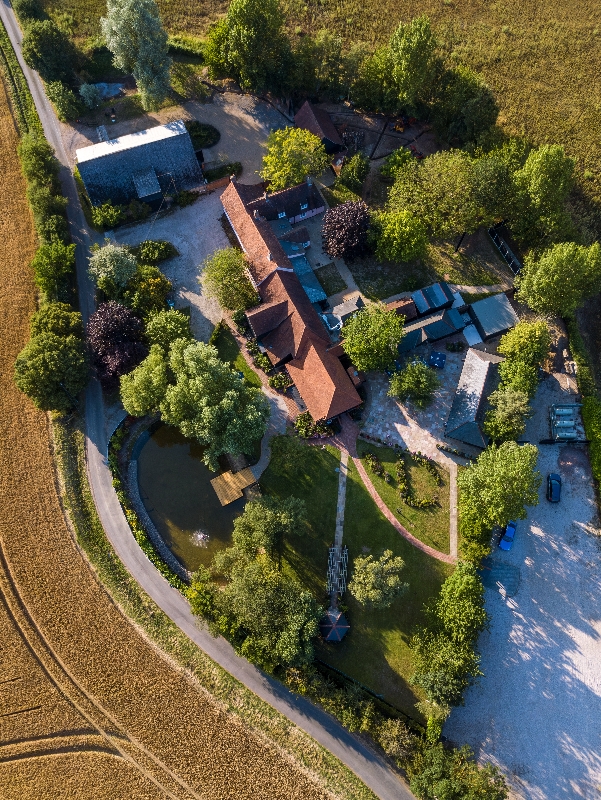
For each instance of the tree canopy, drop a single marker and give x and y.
(376, 583)
(52, 370)
(398, 236)
(561, 278)
(115, 339)
(211, 403)
(166, 327)
(46, 49)
(465, 106)
(292, 155)
(416, 382)
(226, 278)
(527, 341)
(371, 337)
(265, 523)
(53, 265)
(111, 268)
(440, 773)
(147, 291)
(412, 48)
(495, 489)
(249, 45)
(345, 230)
(136, 37)
(143, 389)
(507, 417)
(459, 607)
(57, 318)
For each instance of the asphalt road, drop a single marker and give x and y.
(367, 765)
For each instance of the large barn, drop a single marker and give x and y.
(140, 166)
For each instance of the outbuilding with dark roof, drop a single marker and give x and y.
(433, 298)
(431, 328)
(493, 315)
(475, 383)
(318, 122)
(139, 166)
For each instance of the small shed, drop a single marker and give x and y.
(140, 165)
(493, 315)
(348, 308)
(404, 308)
(333, 626)
(431, 329)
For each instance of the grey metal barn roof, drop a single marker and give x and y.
(121, 169)
(493, 315)
(431, 328)
(465, 414)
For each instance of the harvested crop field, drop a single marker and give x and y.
(90, 708)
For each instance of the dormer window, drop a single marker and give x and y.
(281, 214)
(304, 206)
(302, 215)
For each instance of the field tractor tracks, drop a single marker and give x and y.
(104, 733)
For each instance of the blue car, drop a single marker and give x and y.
(506, 542)
(554, 487)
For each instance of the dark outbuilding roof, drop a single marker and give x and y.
(139, 165)
(318, 122)
(289, 202)
(431, 328)
(432, 298)
(493, 315)
(465, 416)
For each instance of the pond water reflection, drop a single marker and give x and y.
(175, 488)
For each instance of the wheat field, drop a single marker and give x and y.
(89, 708)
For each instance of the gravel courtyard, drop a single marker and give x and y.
(537, 711)
(196, 232)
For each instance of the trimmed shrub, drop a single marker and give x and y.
(202, 135)
(57, 318)
(65, 102)
(107, 216)
(153, 251)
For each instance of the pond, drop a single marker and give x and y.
(176, 491)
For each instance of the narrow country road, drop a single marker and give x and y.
(367, 765)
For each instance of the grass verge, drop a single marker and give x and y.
(376, 650)
(78, 502)
(431, 525)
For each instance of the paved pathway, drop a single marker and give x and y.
(453, 535)
(369, 766)
(448, 559)
(339, 525)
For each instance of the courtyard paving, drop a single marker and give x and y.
(196, 232)
(536, 712)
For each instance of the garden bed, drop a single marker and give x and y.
(429, 525)
(330, 279)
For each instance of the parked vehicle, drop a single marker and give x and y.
(506, 542)
(553, 487)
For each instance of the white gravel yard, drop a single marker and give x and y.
(537, 711)
(196, 232)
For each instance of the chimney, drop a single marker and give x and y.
(265, 195)
(309, 180)
(256, 213)
(269, 256)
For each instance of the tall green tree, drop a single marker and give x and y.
(371, 337)
(507, 417)
(527, 341)
(459, 607)
(561, 278)
(398, 236)
(376, 583)
(136, 37)
(59, 319)
(442, 773)
(292, 155)
(211, 403)
(225, 275)
(412, 48)
(52, 370)
(493, 490)
(416, 382)
(46, 49)
(318, 63)
(443, 668)
(440, 192)
(465, 107)
(143, 389)
(53, 265)
(266, 523)
(375, 88)
(250, 46)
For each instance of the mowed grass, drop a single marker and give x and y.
(376, 650)
(309, 474)
(429, 525)
(330, 279)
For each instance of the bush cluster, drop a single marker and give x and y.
(280, 381)
(307, 428)
(115, 336)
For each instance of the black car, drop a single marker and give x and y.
(553, 487)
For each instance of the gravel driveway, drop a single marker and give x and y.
(537, 711)
(196, 232)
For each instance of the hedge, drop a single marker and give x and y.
(21, 98)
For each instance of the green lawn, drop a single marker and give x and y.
(429, 525)
(375, 651)
(308, 472)
(330, 279)
(228, 350)
(338, 193)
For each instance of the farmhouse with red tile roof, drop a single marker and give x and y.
(286, 323)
